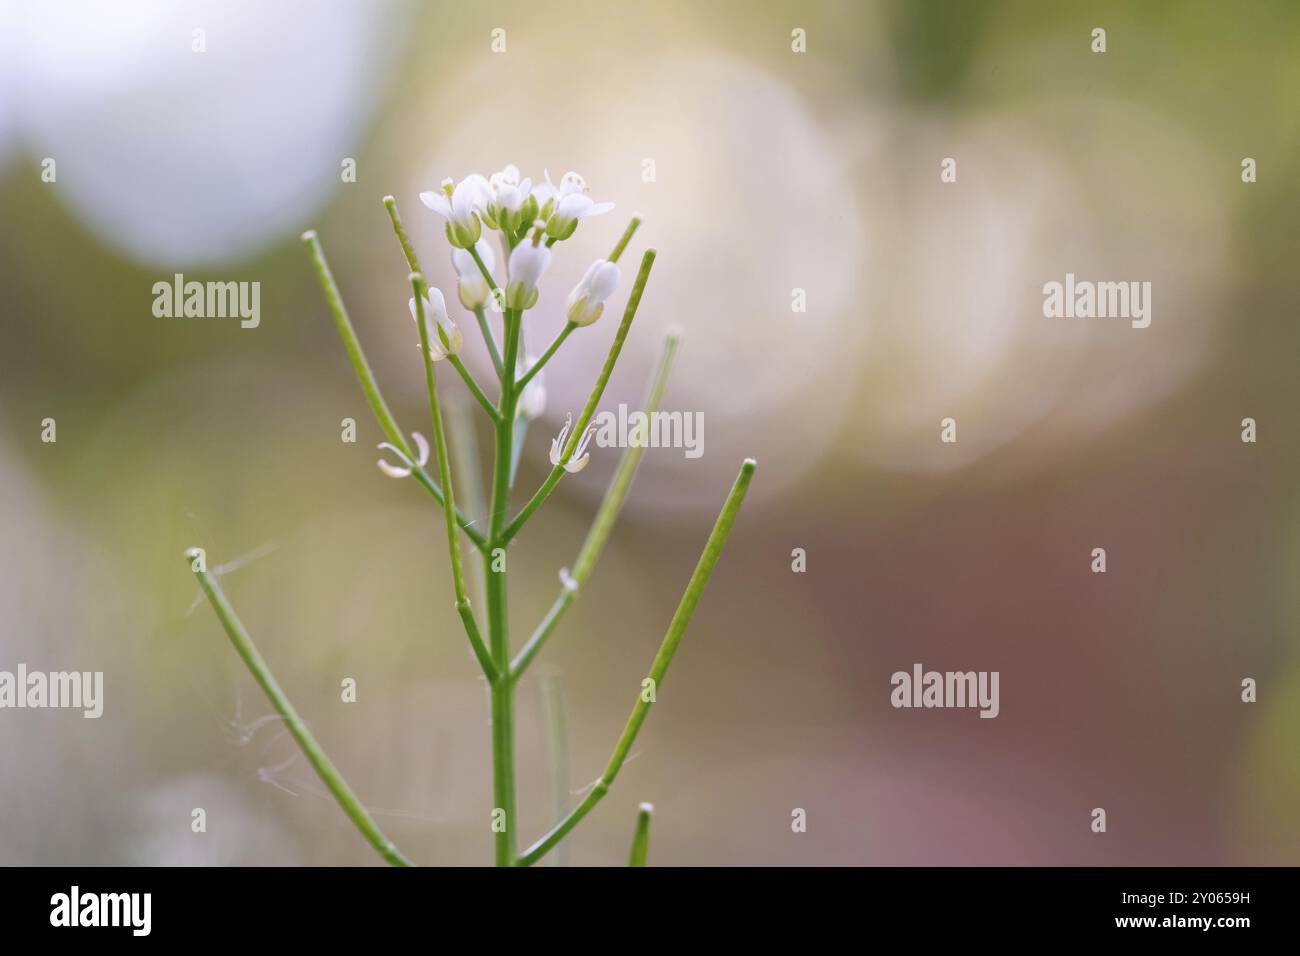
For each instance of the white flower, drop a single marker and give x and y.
(444, 338)
(527, 263)
(587, 300)
(473, 288)
(532, 403)
(509, 195)
(568, 204)
(580, 456)
(461, 207)
(570, 184)
(396, 471)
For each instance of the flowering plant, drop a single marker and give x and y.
(529, 221)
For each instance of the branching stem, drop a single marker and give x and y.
(676, 629)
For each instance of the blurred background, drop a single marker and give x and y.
(772, 171)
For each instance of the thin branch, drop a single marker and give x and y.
(420, 289)
(489, 338)
(624, 239)
(641, 836)
(407, 249)
(369, 387)
(468, 463)
(546, 356)
(673, 637)
(473, 385)
(329, 774)
(606, 515)
(593, 399)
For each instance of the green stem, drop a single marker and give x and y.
(463, 608)
(473, 385)
(407, 249)
(502, 689)
(492, 283)
(676, 629)
(641, 836)
(369, 387)
(546, 356)
(592, 400)
(624, 239)
(606, 515)
(489, 338)
(329, 774)
(497, 297)
(469, 476)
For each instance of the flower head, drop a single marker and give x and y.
(444, 338)
(472, 287)
(580, 457)
(527, 263)
(461, 207)
(562, 207)
(401, 471)
(510, 196)
(571, 204)
(587, 300)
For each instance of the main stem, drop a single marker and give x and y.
(502, 687)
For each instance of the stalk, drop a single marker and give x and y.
(557, 472)
(420, 288)
(672, 639)
(641, 836)
(502, 687)
(606, 515)
(369, 387)
(321, 763)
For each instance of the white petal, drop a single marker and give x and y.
(392, 471)
(437, 202)
(438, 304)
(463, 263)
(605, 281)
(421, 448)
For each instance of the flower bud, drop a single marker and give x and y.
(527, 263)
(461, 207)
(587, 300)
(444, 338)
(473, 287)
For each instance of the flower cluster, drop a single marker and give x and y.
(503, 201)
(528, 219)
